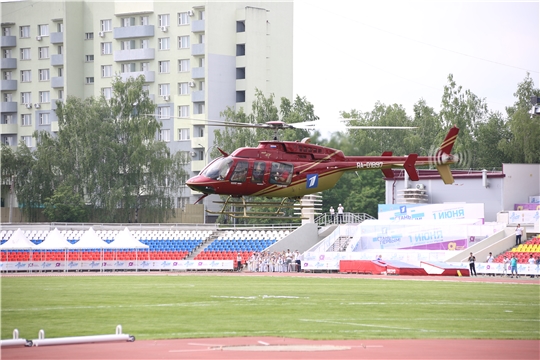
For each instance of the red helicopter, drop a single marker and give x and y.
(292, 169)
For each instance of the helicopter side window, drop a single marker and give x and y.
(258, 172)
(240, 172)
(281, 174)
(218, 169)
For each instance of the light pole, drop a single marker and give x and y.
(11, 195)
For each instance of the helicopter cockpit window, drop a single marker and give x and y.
(281, 174)
(218, 169)
(240, 172)
(258, 172)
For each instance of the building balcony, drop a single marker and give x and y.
(8, 129)
(149, 76)
(8, 85)
(8, 106)
(129, 32)
(197, 96)
(57, 82)
(8, 41)
(197, 49)
(57, 38)
(134, 54)
(54, 126)
(57, 60)
(197, 26)
(197, 165)
(8, 63)
(197, 73)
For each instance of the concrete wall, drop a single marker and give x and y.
(521, 181)
(300, 239)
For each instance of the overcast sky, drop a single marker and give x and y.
(351, 54)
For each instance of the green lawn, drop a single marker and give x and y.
(159, 307)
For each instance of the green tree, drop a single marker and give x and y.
(490, 139)
(523, 146)
(465, 110)
(65, 205)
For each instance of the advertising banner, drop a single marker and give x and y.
(530, 206)
(113, 265)
(534, 199)
(523, 217)
(431, 211)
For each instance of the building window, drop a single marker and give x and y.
(107, 93)
(43, 52)
(60, 72)
(44, 119)
(26, 75)
(27, 140)
(6, 53)
(25, 54)
(26, 98)
(60, 49)
(106, 48)
(44, 97)
(145, 44)
(25, 31)
(129, 67)
(145, 66)
(89, 58)
(183, 18)
(164, 112)
(26, 119)
(89, 36)
(128, 45)
(145, 20)
(183, 111)
(183, 88)
(60, 27)
(6, 31)
(8, 97)
(60, 94)
(106, 70)
(240, 49)
(43, 30)
(240, 26)
(7, 119)
(165, 135)
(164, 66)
(164, 20)
(127, 22)
(44, 75)
(164, 43)
(241, 73)
(89, 80)
(6, 75)
(183, 65)
(106, 25)
(183, 42)
(164, 89)
(240, 96)
(183, 134)
(198, 108)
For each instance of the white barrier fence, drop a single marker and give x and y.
(112, 265)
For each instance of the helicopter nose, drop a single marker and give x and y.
(200, 183)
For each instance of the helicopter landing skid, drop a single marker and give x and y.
(242, 209)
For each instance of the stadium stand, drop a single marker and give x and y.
(522, 251)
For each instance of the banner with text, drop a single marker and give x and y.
(431, 211)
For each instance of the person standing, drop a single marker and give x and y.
(332, 214)
(505, 266)
(340, 214)
(490, 260)
(472, 268)
(531, 263)
(239, 261)
(519, 232)
(513, 266)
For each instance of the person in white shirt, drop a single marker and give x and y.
(332, 216)
(519, 232)
(505, 266)
(490, 260)
(340, 214)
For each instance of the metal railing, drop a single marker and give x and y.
(347, 218)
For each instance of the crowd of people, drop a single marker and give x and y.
(275, 261)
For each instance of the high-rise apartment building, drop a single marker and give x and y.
(197, 59)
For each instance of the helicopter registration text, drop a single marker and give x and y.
(369, 164)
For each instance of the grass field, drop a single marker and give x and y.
(160, 307)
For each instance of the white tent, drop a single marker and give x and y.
(17, 241)
(90, 240)
(54, 240)
(124, 240)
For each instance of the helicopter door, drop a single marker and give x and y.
(240, 172)
(257, 175)
(281, 174)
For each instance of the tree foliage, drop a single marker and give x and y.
(65, 205)
(105, 154)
